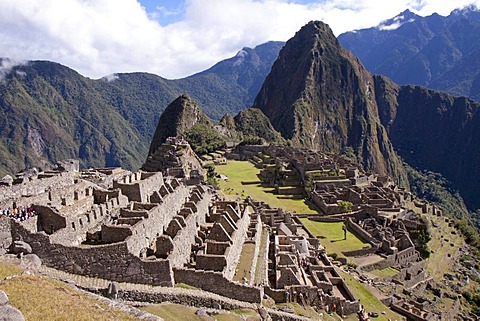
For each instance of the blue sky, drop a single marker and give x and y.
(170, 38)
(165, 11)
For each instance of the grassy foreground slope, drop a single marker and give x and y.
(41, 298)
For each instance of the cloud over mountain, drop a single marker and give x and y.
(102, 37)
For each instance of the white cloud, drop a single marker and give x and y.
(102, 37)
(111, 77)
(6, 66)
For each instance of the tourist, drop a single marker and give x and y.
(19, 213)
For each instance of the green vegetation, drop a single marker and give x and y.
(186, 286)
(255, 127)
(211, 175)
(243, 181)
(244, 267)
(471, 234)
(383, 273)
(346, 206)
(331, 235)
(474, 299)
(262, 261)
(9, 269)
(204, 139)
(368, 299)
(434, 188)
(40, 298)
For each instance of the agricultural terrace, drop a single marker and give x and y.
(242, 181)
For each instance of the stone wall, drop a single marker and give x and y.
(238, 238)
(217, 283)
(145, 232)
(362, 252)
(26, 192)
(112, 261)
(5, 232)
(140, 185)
(362, 233)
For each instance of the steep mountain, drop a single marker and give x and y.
(435, 51)
(179, 118)
(434, 131)
(184, 117)
(50, 112)
(320, 96)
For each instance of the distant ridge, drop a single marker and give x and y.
(438, 52)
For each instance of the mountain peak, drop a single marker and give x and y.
(466, 10)
(406, 16)
(319, 96)
(182, 114)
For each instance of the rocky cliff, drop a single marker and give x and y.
(434, 131)
(319, 96)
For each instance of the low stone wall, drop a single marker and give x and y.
(215, 282)
(363, 252)
(387, 262)
(362, 233)
(112, 261)
(196, 300)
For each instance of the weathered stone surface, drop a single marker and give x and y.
(21, 247)
(31, 261)
(201, 312)
(3, 298)
(9, 313)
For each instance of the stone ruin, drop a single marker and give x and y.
(372, 206)
(135, 227)
(176, 158)
(166, 227)
(298, 268)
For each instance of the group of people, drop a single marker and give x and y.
(295, 297)
(19, 213)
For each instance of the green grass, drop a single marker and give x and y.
(9, 269)
(306, 311)
(240, 171)
(383, 273)
(244, 267)
(186, 286)
(262, 259)
(331, 236)
(368, 300)
(40, 298)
